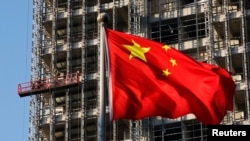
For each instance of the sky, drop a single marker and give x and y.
(15, 62)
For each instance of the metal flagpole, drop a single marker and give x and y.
(101, 123)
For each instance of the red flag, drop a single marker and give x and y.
(152, 79)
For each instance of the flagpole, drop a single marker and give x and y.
(101, 123)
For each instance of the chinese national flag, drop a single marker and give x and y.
(151, 79)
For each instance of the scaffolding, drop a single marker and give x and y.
(64, 86)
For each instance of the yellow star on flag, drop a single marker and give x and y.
(166, 47)
(173, 62)
(137, 51)
(166, 72)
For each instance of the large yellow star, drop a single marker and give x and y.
(166, 47)
(137, 51)
(173, 62)
(166, 72)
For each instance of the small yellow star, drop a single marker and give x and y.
(137, 51)
(166, 47)
(173, 62)
(166, 72)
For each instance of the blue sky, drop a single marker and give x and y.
(15, 60)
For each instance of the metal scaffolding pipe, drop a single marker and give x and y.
(245, 58)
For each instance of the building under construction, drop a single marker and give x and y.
(64, 86)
